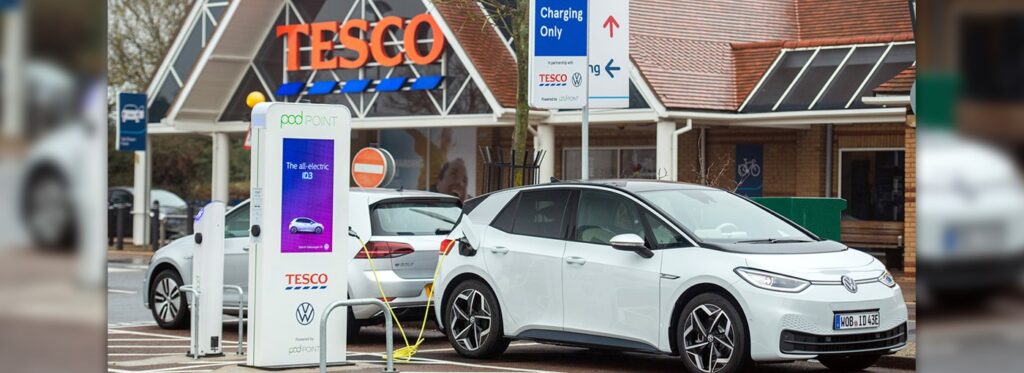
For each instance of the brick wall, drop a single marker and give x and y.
(910, 201)
(862, 136)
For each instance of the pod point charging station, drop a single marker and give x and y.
(299, 215)
(208, 282)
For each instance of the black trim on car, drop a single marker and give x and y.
(585, 340)
(800, 343)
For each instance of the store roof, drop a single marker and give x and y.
(484, 46)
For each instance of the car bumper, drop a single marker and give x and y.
(973, 273)
(799, 326)
(407, 293)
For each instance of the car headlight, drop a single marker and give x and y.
(772, 281)
(887, 279)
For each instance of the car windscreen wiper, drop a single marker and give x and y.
(774, 240)
(440, 231)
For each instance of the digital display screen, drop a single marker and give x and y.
(307, 196)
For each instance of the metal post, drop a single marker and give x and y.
(241, 314)
(154, 232)
(585, 146)
(189, 227)
(194, 325)
(119, 216)
(356, 302)
(828, 160)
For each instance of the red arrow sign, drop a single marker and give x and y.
(610, 24)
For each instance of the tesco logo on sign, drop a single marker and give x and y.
(306, 278)
(554, 78)
(350, 35)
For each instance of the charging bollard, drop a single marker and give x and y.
(208, 280)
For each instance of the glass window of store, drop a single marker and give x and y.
(871, 181)
(611, 163)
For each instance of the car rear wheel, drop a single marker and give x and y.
(47, 211)
(167, 302)
(293, 230)
(473, 319)
(712, 335)
(849, 363)
(318, 230)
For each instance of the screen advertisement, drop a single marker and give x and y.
(307, 199)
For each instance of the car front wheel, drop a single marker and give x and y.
(474, 321)
(849, 363)
(712, 335)
(167, 302)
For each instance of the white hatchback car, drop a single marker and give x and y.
(665, 268)
(402, 231)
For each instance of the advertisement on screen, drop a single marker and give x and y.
(307, 200)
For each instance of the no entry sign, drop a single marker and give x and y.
(372, 167)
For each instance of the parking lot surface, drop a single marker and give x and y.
(136, 344)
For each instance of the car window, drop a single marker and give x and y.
(168, 199)
(664, 235)
(120, 196)
(414, 217)
(540, 213)
(602, 215)
(719, 216)
(236, 224)
(507, 216)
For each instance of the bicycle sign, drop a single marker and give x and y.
(749, 167)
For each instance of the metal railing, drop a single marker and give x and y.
(241, 316)
(357, 302)
(194, 324)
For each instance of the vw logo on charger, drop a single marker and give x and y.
(304, 313)
(577, 79)
(849, 284)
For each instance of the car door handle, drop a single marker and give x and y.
(499, 250)
(245, 248)
(575, 260)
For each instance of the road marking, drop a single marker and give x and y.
(120, 331)
(149, 354)
(164, 346)
(119, 291)
(422, 360)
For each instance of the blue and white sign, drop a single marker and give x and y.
(749, 176)
(558, 54)
(609, 54)
(131, 122)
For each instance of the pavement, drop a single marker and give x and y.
(135, 343)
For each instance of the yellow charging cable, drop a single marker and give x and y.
(405, 354)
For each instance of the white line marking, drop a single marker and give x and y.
(165, 346)
(439, 361)
(150, 354)
(119, 291)
(120, 331)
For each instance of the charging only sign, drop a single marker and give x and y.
(299, 255)
(558, 54)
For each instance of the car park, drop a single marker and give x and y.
(659, 267)
(173, 211)
(402, 231)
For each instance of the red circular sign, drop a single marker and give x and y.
(372, 167)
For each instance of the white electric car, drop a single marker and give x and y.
(305, 225)
(661, 267)
(402, 229)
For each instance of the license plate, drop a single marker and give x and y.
(856, 320)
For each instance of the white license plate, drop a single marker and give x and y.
(856, 320)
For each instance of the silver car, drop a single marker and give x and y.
(305, 225)
(402, 231)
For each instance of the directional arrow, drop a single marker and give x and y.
(610, 24)
(609, 68)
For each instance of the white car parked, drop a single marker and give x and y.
(402, 230)
(305, 225)
(664, 268)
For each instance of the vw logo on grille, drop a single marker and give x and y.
(577, 79)
(849, 284)
(304, 313)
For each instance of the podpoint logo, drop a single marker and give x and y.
(295, 120)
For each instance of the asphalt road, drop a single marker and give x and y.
(124, 295)
(163, 349)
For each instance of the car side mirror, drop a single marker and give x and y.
(631, 242)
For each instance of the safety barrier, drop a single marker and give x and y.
(357, 302)
(193, 305)
(241, 317)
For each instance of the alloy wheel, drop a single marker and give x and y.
(471, 319)
(708, 338)
(166, 299)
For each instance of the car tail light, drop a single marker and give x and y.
(384, 249)
(446, 247)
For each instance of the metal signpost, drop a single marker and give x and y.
(560, 43)
(299, 216)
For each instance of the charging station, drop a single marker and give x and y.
(208, 281)
(299, 223)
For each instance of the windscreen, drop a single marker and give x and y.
(414, 218)
(720, 217)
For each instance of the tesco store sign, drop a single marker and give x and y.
(321, 36)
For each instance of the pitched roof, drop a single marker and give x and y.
(840, 18)
(484, 46)
(901, 83)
